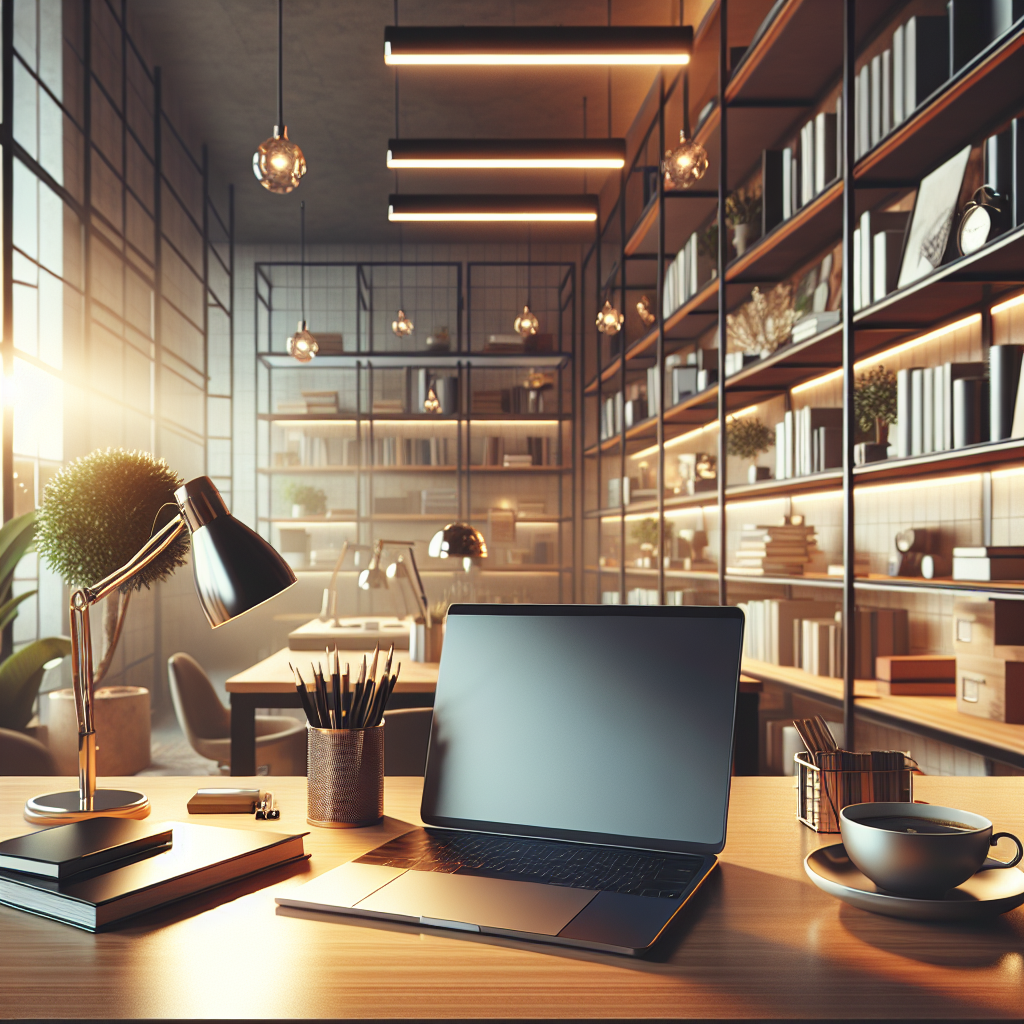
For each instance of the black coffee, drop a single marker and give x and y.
(905, 823)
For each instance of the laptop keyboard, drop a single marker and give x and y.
(636, 872)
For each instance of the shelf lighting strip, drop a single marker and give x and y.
(690, 435)
(530, 46)
(890, 353)
(1002, 307)
(517, 154)
(476, 208)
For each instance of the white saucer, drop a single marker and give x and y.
(987, 894)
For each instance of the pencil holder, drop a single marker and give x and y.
(344, 776)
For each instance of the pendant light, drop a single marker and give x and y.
(302, 345)
(685, 165)
(609, 320)
(527, 323)
(401, 326)
(278, 163)
(538, 45)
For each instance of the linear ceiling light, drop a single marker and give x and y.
(579, 154)
(538, 45)
(578, 208)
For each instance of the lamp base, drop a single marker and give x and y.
(62, 808)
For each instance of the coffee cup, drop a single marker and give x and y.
(919, 849)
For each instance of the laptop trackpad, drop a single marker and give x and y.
(486, 902)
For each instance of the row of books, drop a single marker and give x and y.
(430, 502)
(516, 400)
(953, 405)
(792, 177)
(776, 633)
(808, 440)
(877, 252)
(312, 403)
(408, 451)
(540, 451)
(685, 276)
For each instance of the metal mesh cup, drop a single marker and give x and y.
(344, 776)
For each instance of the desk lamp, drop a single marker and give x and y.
(235, 570)
(458, 540)
(375, 578)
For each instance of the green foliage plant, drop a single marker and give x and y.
(743, 206)
(645, 532)
(874, 399)
(96, 514)
(22, 672)
(748, 438)
(312, 499)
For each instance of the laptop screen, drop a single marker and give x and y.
(599, 723)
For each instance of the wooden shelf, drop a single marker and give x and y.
(938, 464)
(976, 100)
(829, 480)
(384, 419)
(303, 470)
(810, 579)
(1013, 590)
(404, 360)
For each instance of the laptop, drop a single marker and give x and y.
(577, 779)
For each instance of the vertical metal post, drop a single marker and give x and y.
(622, 368)
(723, 189)
(660, 358)
(231, 328)
(206, 309)
(158, 234)
(7, 455)
(849, 353)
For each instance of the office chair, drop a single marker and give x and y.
(206, 723)
(406, 733)
(23, 755)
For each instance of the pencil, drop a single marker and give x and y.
(303, 696)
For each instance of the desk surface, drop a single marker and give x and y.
(272, 675)
(757, 941)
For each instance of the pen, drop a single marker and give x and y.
(387, 664)
(303, 696)
(346, 699)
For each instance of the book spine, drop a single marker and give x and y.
(856, 269)
(772, 189)
(864, 117)
(969, 421)
(787, 183)
(1004, 363)
(928, 410)
(898, 77)
(886, 92)
(876, 100)
(780, 450)
(865, 259)
(903, 414)
(916, 411)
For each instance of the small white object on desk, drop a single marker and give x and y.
(356, 633)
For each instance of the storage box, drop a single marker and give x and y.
(990, 688)
(991, 629)
(916, 688)
(916, 667)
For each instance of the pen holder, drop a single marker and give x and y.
(344, 776)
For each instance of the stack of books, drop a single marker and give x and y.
(988, 563)
(321, 403)
(775, 550)
(517, 461)
(814, 323)
(916, 675)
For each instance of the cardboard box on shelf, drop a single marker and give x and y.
(990, 688)
(915, 667)
(991, 629)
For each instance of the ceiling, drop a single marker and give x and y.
(218, 59)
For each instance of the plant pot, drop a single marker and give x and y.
(298, 511)
(425, 644)
(881, 431)
(756, 473)
(741, 237)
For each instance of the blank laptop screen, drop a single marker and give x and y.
(610, 721)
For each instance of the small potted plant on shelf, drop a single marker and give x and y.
(707, 254)
(305, 500)
(748, 438)
(874, 405)
(743, 211)
(645, 533)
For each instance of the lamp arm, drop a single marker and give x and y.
(419, 583)
(81, 650)
(329, 608)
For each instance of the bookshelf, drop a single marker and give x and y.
(752, 87)
(348, 435)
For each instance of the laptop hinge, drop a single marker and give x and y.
(436, 922)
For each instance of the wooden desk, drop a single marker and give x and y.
(757, 941)
(270, 684)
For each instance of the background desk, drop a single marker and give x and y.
(757, 941)
(270, 684)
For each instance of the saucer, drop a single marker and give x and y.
(986, 894)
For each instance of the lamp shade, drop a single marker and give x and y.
(235, 569)
(458, 540)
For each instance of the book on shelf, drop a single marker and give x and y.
(899, 107)
(886, 252)
(769, 632)
(862, 111)
(200, 857)
(439, 502)
(774, 550)
(875, 113)
(915, 688)
(321, 402)
(1004, 366)
(872, 223)
(879, 631)
(861, 567)
(825, 150)
(643, 596)
(806, 441)
(915, 668)
(886, 84)
(388, 406)
(493, 450)
(506, 343)
(925, 58)
(517, 460)
(501, 526)
(987, 569)
(684, 382)
(926, 414)
(814, 323)
(970, 411)
(806, 163)
(773, 187)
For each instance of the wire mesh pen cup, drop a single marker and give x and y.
(344, 776)
(822, 793)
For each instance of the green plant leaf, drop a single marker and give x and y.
(20, 676)
(16, 538)
(9, 609)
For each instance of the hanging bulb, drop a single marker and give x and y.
(609, 320)
(685, 165)
(302, 345)
(643, 308)
(526, 323)
(278, 163)
(402, 326)
(431, 403)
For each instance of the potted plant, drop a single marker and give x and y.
(874, 403)
(747, 438)
(645, 533)
(707, 253)
(305, 500)
(22, 672)
(95, 515)
(743, 211)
